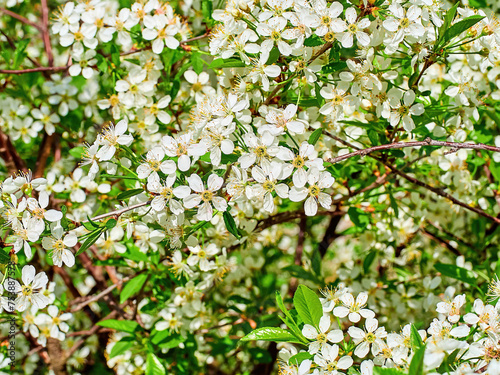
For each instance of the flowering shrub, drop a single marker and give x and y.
(173, 170)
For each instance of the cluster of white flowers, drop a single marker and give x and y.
(194, 150)
(473, 338)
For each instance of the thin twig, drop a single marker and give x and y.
(438, 191)
(105, 292)
(34, 70)
(20, 18)
(120, 211)
(427, 142)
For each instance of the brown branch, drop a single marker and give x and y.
(34, 70)
(329, 235)
(20, 18)
(8, 153)
(57, 360)
(443, 194)
(426, 142)
(288, 216)
(441, 241)
(43, 154)
(45, 32)
(299, 250)
(104, 293)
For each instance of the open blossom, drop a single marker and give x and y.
(353, 308)
(329, 362)
(161, 29)
(30, 291)
(371, 337)
(313, 193)
(27, 230)
(280, 121)
(200, 256)
(111, 138)
(451, 309)
(55, 321)
(38, 208)
(203, 198)
(155, 163)
(322, 335)
(267, 178)
(404, 112)
(184, 148)
(166, 194)
(355, 28)
(58, 245)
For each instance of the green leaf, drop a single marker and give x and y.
(417, 362)
(299, 357)
(313, 41)
(300, 273)
(77, 152)
(154, 366)
(231, 224)
(115, 55)
(459, 27)
(128, 326)
(197, 62)
(387, 371)
(111, 223)
(128, 194)
(372, 134)
(4, 257)
(367, 262)
(19, 54)
(226, 63)
(271, 334)
(319, 98)
(358, 217)
(314, 137)
(274, 55)
(448, 19)
(333, 67)
(132, 287)
(456, 272)
(166, 339)
(206, 9)
(121, 346)
(94, 236)
(133, 253)
(416, 339)
(308, 305)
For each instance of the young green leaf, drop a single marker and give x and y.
(456, 272)
(226, 63)
(91, 239)
(416, 339)
(122, 346)
(154, 366)
(119, 325)
(128, 194)
(459, 27)
(387, 371)
(314, 137)
(417, 362)
(231, 225)
(132, 287)
(308, 305)
(272, 334)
